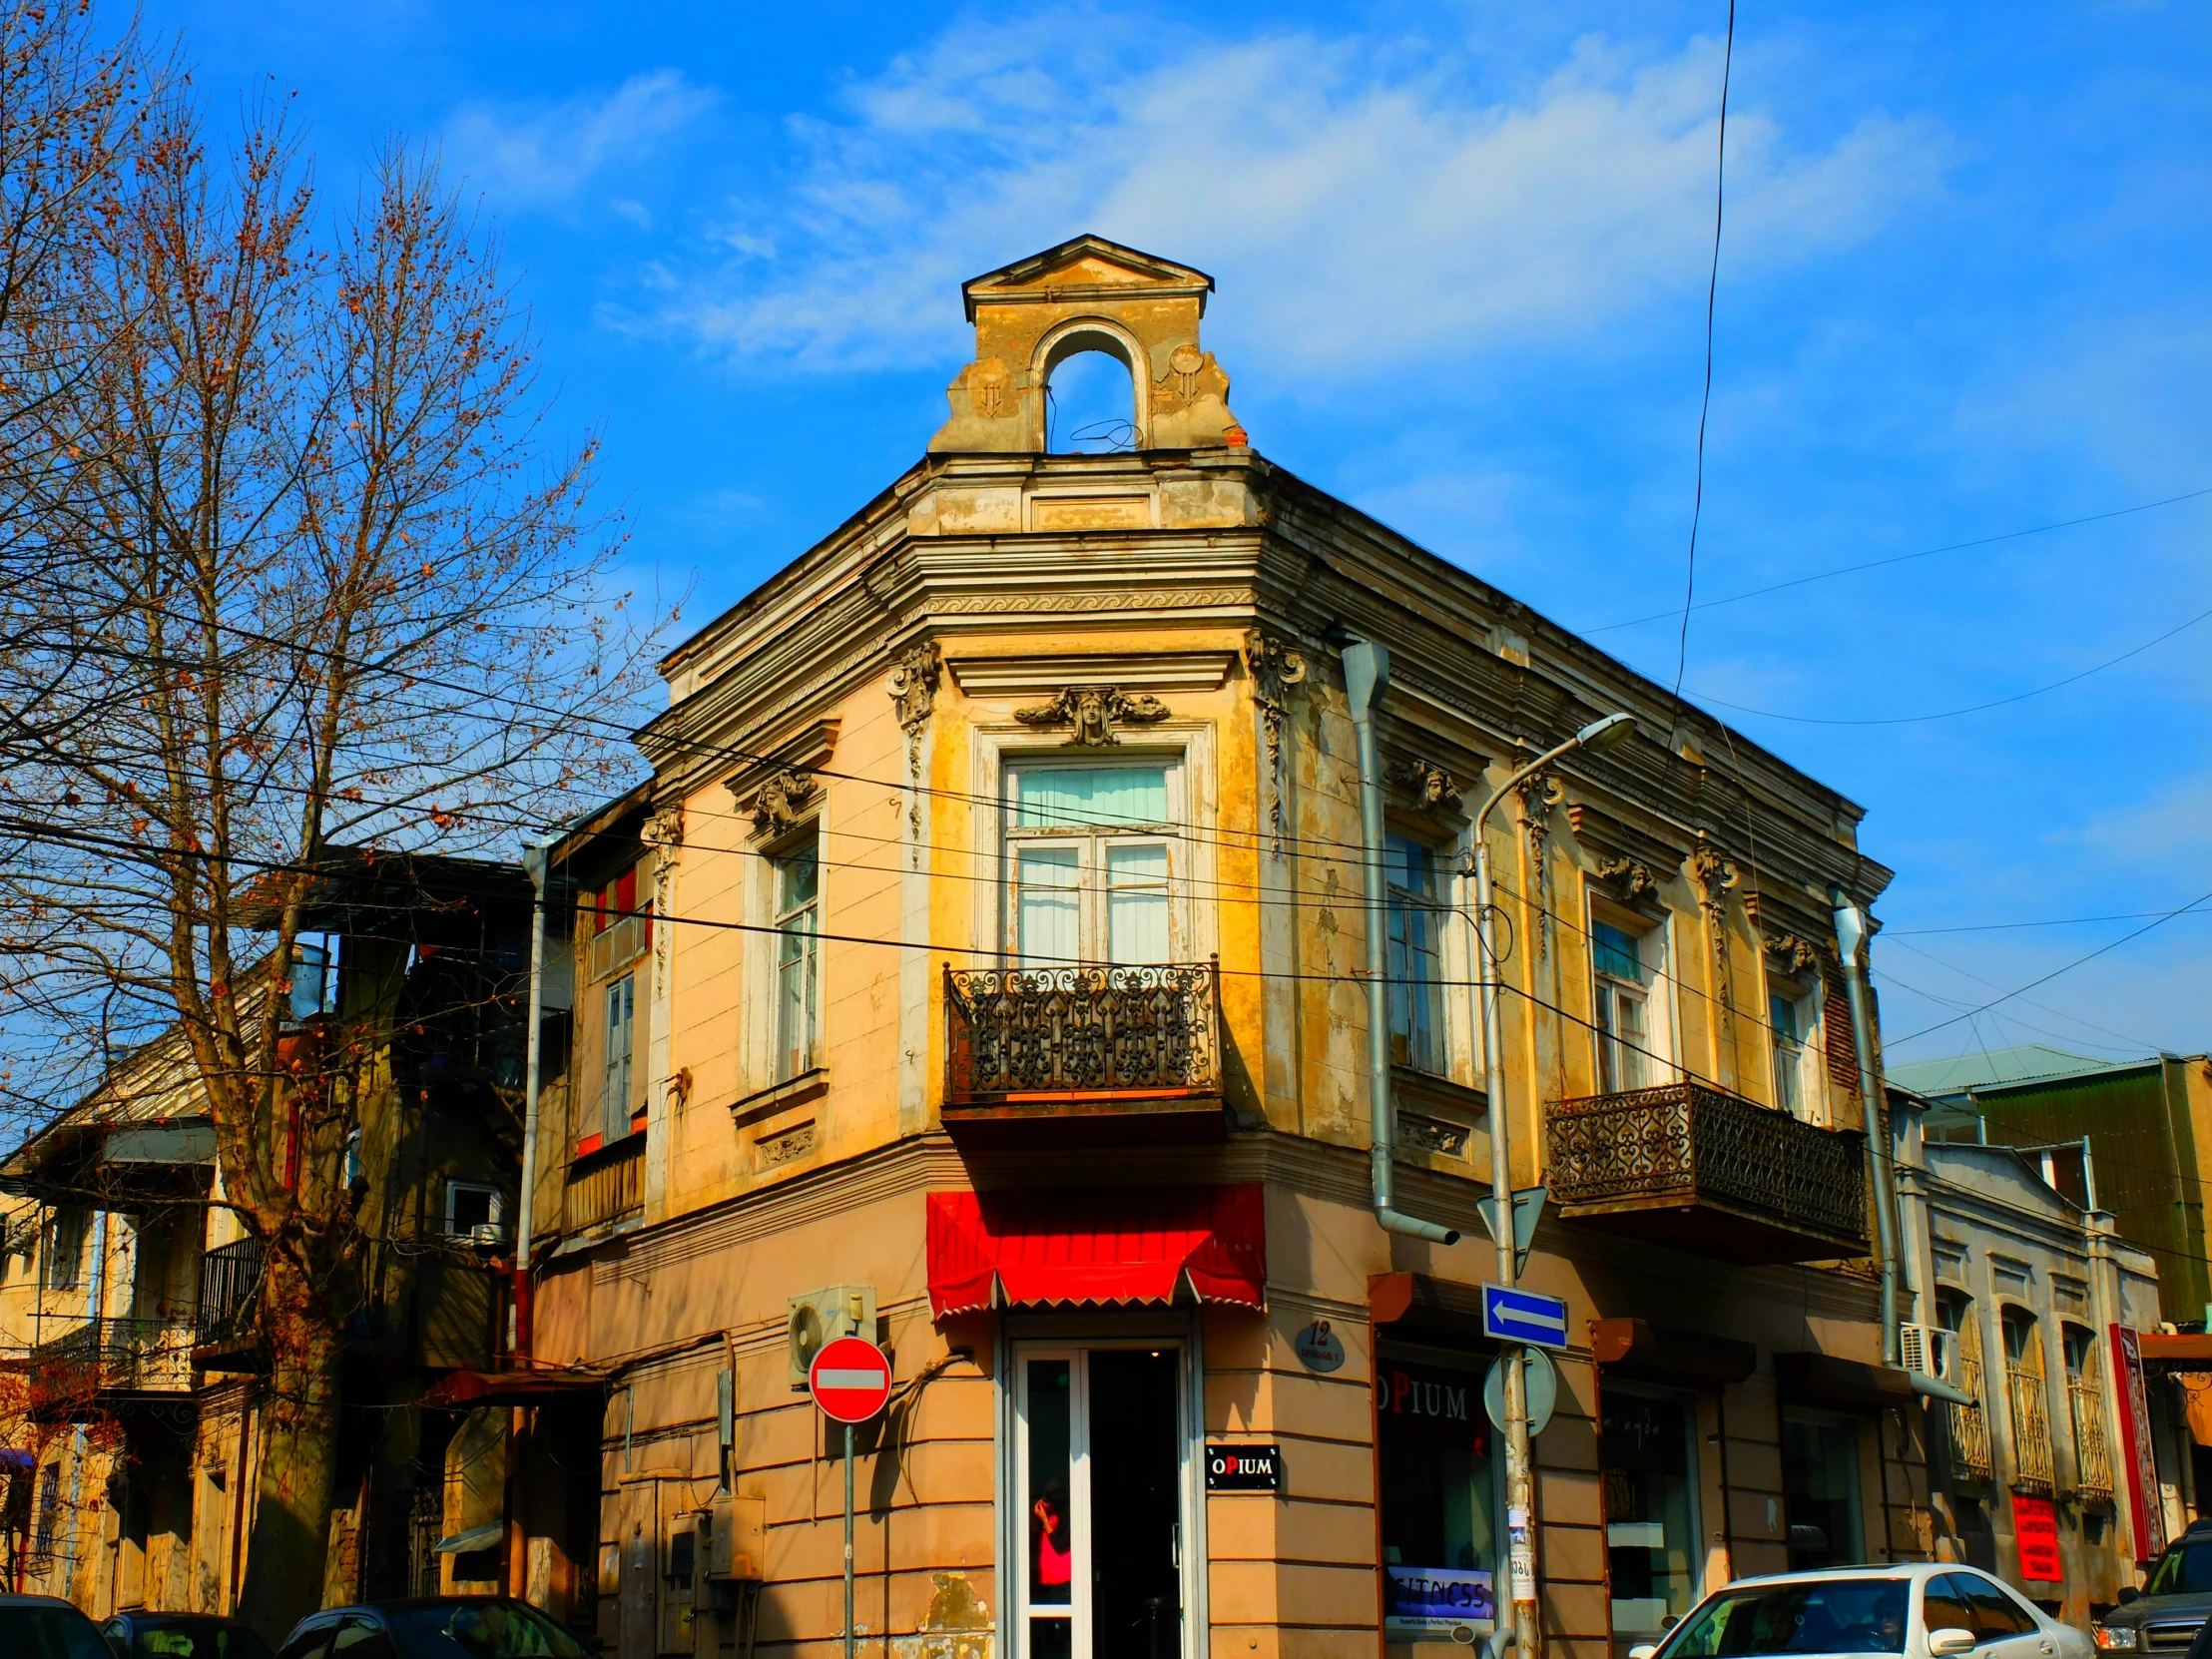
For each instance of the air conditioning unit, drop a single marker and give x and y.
(488, 1233)
(1930, 1350)
(819, 1317)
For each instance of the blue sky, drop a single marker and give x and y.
(1966, 289)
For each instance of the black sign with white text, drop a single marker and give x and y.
(1244, 1468)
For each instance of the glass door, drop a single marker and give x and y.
(1099, 1574)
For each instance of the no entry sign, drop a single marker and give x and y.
(851, 1380)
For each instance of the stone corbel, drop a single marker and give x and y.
(1274, 664)
(1092, 713)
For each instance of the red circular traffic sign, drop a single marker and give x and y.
(851, 1380)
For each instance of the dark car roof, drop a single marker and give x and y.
(36, 1601)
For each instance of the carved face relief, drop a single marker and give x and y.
(1092, 713)
(1430, 786)
(782, 798)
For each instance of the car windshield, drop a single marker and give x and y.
(155, 1637)
(49, 1633)
(1832, 1615)
(2185, 1569)
(484, 1630)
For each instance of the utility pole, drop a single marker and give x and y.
(1521, 1477)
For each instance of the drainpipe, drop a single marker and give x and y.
(1366, 672)
(1850, 936)
(536, 862)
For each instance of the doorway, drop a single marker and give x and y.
(1101, 1572)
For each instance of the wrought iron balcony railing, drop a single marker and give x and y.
(1053, 1033)
(230, 1282)
(150, 1356)
(1709, 1170)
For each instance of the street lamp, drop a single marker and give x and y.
(1520, 1488)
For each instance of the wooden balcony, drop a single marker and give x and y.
(1691, 1167)
(605, 1186)
(1083, 1055)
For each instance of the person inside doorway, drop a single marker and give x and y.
(1050, 1547)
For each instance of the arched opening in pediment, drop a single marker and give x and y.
(1092, 401)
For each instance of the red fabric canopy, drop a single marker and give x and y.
(1110, 1244)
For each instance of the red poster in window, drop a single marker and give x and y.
(2035, 1527)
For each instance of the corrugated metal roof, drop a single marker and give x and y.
(2034, 1063)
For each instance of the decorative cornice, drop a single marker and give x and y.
(1092, 712)
(1162, 673)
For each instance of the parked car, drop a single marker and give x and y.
(46, 1627)
(1921, 1610)
(143, 1635)
(432, 1627)
(2173, 1603)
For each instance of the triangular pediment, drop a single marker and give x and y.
(1085, 264)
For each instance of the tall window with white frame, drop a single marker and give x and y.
(1415, 888)
(797, 873)
(1092, 863)
(1790, 1025)
(1625, 1029)
(622, 1012)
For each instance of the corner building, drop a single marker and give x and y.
(984, 968)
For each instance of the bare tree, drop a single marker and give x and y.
(312, 578)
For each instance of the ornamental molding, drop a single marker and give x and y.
(1538, 794)
(782, 801)
(1276, 665)
(1631, 880)
(1792, 952)
(805, 754)
(1165, 673)
(1715, 875)
(913, 685)
(1092, 713)
(1608, 837)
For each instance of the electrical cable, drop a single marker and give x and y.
(1705, 403)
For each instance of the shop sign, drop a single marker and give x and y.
(2145, 1508)
(2035, 1527)
(1318, 1349)
(1244, 1468)
(1437, 1598)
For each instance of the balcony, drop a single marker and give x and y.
(1689, 1166)
(106, 1358)
(606, 1185)
(1083, 1055)
(229, 1289)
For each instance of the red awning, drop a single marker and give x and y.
(1112, 1245)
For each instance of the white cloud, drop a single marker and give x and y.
(1364, 213)
(538, 155)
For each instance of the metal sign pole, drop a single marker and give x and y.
(849, 1542)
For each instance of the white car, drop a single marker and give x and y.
(1918, 1610)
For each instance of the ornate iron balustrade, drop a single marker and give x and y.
(2031, 1457)
(230, 1284)
(2092, 1452)
(1684, 1145)
(605, 1186)
(1969, 1425)
(1082, 1030)
(129, 1356)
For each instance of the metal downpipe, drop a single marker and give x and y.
(536, 861)
(1850, 937)
(1366, 672)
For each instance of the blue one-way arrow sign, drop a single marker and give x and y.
(1523, 1316)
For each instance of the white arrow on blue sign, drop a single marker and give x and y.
(1523, 1316)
